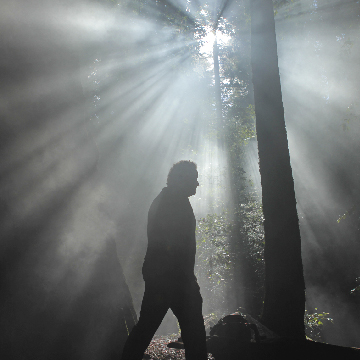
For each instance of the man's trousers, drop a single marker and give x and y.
(185, 300)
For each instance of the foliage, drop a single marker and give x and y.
(356, 289)
(252, 229)
(214, 260)
(217, 256)
(314, 323)
(347, 213)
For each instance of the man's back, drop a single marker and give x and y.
(171, 238)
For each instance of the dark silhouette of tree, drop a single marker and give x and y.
(284, 303)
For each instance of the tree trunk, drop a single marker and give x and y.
(284, 303)
(218, 102)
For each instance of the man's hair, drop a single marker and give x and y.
(178, 170)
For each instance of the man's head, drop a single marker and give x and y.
(183, 177)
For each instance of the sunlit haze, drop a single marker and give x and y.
(98, 101)
(209, 39)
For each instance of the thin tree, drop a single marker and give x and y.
(284, 302)
(216, 60)
(217, 82)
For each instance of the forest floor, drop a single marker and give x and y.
(309, 350)
(158, 350)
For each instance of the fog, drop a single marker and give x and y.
(318, 59)
(96, 105)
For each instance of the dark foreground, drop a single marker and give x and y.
(239, 336)
(281, 348)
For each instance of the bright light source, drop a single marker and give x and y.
(209, 39)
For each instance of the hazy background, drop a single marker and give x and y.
(96, 105)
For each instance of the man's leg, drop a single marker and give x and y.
(154, 306)
(187, 307)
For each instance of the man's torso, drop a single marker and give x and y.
(171, 238)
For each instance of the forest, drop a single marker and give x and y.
(99, 98)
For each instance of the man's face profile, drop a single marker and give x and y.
(189, 183)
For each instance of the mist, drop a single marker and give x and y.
(318, 61)
(98, 101)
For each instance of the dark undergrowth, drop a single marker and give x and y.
(158, 349)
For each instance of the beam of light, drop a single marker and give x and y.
(315, 61)
(74, 184)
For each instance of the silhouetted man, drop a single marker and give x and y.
(168, 268)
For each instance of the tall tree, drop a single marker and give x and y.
(284, 303)
(217, 81)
